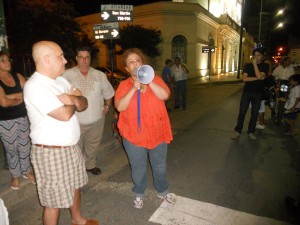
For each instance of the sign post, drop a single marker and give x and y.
(116, 13)
(211, 44)
(106, 31)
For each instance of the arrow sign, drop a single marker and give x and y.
(115, 33)
(106, 31)
(207, 49)
(116, 13)
(105, 15)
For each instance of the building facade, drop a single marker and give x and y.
(187, 28)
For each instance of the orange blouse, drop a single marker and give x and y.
(155, 124)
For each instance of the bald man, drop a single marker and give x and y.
(58, 163)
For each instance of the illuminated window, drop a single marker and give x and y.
(179, 46)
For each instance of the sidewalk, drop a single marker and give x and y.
(107, 159)
(230, 77)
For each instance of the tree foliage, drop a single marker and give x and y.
(137, 36)
(29, 21)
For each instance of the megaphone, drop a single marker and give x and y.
(144, 74)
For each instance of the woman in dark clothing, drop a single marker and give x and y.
(14, 125)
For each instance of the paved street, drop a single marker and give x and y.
(217, 180)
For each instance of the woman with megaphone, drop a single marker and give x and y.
(144, 125)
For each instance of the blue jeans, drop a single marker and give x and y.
(247, 98)
(180, 90)
(138, 158)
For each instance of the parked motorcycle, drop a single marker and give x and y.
(277, 99)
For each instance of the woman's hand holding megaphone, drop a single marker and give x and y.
(138, 85)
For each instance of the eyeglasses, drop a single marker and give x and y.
(5, 60)
(133, 62)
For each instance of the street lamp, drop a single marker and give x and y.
(260, 15)
(241, 38)
(260, 19)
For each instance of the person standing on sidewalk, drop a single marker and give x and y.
(292, 105)
(269, 81)
(99, 92)
(14, 124)
(253, 75)
(167, 77)
(179, 74)
(145, 128)
(51, 103)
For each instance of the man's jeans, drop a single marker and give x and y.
(247, 98)
(180, 91)
(138, 158)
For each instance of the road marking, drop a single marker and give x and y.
(191, 212)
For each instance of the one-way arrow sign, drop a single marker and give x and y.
(115, 33)
(106, 31)
(105, 15)
(116, 13)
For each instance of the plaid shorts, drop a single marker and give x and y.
(58, 171)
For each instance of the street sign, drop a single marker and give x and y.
(116, 13)
(206, 49)
(106, 31)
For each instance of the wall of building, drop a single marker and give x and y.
(190, 20)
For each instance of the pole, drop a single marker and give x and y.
(209, 63)
(260, 15)
(3, 35)
(241, 39)
(112, 60)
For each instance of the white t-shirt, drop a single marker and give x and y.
(178, 73)
(284, 73)
(294, 93)
(40, 97)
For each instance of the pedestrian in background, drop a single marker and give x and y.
(179, 74)
(253, 75)
(292, 105)
(51, 103)
(99, 93)
(285, 70)
(268, 82)
(167, 77)
(14, 124)
(145, 128)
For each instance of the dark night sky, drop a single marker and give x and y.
(85, 7)
(290, 18)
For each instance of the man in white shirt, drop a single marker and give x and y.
(285, 70)
(99, 92)
(179, 73)
(57, 160)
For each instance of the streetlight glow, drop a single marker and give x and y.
(280, 25)
(280, 12)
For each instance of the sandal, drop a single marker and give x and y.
(30, 177)
(15, 184)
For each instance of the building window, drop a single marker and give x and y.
(179, 45)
